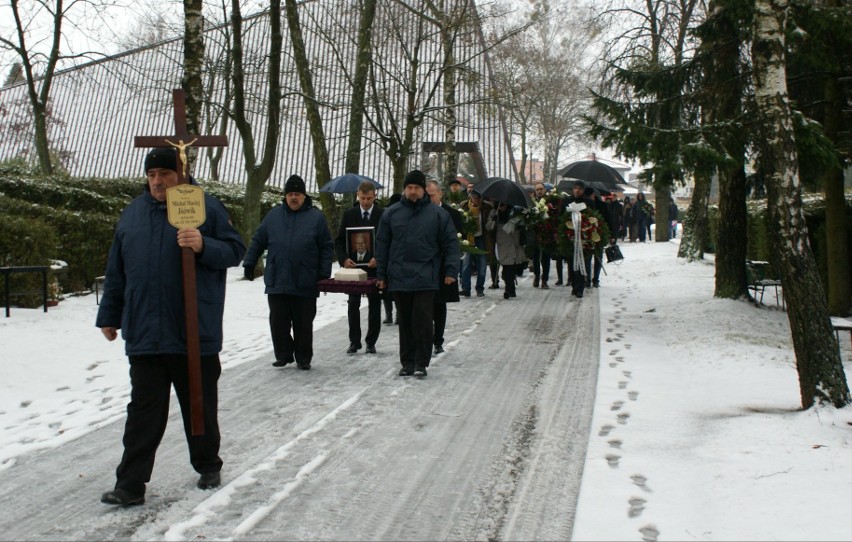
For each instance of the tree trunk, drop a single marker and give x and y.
(303, 67)
(836, 226)
(193, 63)
(821, 376)
(42, 144)
(257, 174)
(359, 86)
(732, 235)
(662, 197)
(695, 224)
(451, 158)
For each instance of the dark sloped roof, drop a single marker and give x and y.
(96, 109)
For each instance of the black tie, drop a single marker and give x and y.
(366, 216)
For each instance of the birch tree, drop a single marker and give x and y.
(821, 376)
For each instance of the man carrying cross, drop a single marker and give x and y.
(143, 297)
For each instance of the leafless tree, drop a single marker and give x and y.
(257, 171)
(36, 37)
(544, 75)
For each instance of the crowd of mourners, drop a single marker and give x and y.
(420, 252)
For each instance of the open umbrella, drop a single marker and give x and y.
(593, 171)
(347, 183)
(504, 191)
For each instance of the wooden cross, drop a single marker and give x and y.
(180, 141)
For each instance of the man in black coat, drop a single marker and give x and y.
(600, 206)
(577, 277)
(447, 293)
(365, 214)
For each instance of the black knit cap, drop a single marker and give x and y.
(579, 183)
(415, 176)
(295, 184)
(161, 158)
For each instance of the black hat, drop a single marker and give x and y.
(579, 183)
(455, 180)
(415, 176)
(161, 158)
(295, 184)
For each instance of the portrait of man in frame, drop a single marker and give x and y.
(360, 245)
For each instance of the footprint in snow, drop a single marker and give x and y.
(615, 443)
(622, 384)
(25, 404)
(605, 430)
(613, 352)
(620, 359)
(612, 460)
(612, 364)
(641, 482)
(628, 346)
(628, 374)
(632, 395)
(649, 533)
(623, 417)
(637, 506)
(617, 405)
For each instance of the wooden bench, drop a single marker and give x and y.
(6, 271)
(757, 281)
(839, 324)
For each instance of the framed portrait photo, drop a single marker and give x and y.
(361, 245)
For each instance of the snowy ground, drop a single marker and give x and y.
(695, 431)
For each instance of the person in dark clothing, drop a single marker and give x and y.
(600, 206)
(299, 255)
(387, 297)
(540, 256)
(577, 270)
(616, 216)
(143, 297)
(365, 214)
(447, 293)
(642, 216)
(414, 237)
(672, 219)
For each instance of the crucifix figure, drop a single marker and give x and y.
(180, 141)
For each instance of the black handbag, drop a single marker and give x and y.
(613, 254)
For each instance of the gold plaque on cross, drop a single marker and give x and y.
(185, 204)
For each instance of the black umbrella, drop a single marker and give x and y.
(503, 191)
(347, 183)
(593, 171)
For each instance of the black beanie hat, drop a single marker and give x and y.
(163, 158)
(294, 184)
(415, 176)
(579, 183)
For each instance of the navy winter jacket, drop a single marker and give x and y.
(412, 238)
(299, 250)
(143, 290)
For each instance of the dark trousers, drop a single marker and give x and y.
(578, 281)
(415, 327)
(494, 267)
(374, 318)
(292, 311)
(151, 380)
(596, 275)
(559, 264)
(509, 272)
(439, 317)
(541, 264)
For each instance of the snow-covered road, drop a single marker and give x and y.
(490, 446)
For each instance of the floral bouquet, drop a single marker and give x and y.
(594, 233)
(469, 227)
(543, 219)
